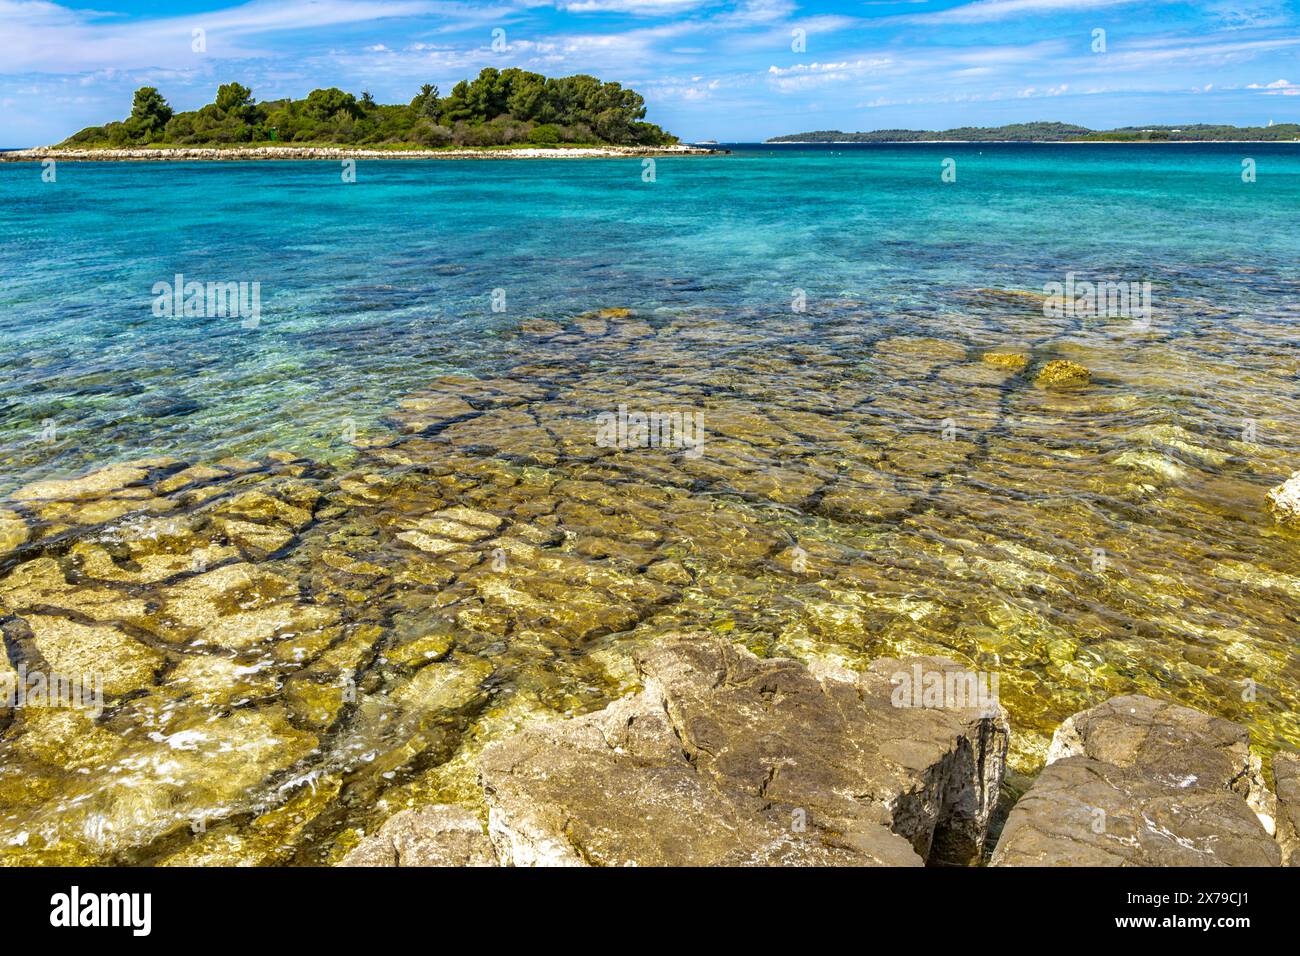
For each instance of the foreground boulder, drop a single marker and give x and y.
(1140, 782)
(725, 759)
(1286, 782)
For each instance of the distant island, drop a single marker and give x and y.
(1054, 133)
(500, 109)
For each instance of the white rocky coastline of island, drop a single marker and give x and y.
(247, 153)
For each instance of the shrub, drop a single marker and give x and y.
(544, 135)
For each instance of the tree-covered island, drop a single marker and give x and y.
(499, 108)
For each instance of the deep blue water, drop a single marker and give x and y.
(371, 288)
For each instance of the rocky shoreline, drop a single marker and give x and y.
(245, 154)
(293, 654)
(724, 759)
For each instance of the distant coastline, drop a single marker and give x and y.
(1054, 132)
(1013, 142)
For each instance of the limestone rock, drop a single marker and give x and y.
(77, 651)
(8, 680)
(219, 681)
(1284, 500)
(67, 738)
(1014, 361)
(1063, 374)
(200, 770)
(426, 836)
(13, 531)
(445, 687)
(1140, 782)
(96, 484)
(726, 759)
(1286, 783)
(239, 605)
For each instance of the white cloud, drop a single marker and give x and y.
(43, 37)
(1277, 88)
(639, 7)
(983, 11)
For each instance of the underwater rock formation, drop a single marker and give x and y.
(1063, 374)
(340, 642)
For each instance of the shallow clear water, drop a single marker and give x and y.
(296, 646)
(370, 288)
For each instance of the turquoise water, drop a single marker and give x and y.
(371, 289)
(1081, 543)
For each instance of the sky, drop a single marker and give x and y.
(730, 70)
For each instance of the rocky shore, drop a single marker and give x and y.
(247, 153)
(485, 602)
(727, 760)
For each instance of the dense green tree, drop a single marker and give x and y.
(331, 103)
(149, 114)
(428, 102)
(233, 97)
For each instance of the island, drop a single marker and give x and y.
(508, 113)
(1055, 132)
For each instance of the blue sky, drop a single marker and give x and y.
(720, 69)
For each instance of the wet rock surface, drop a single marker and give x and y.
(726, 759)
(427, 836)
(1284, 500)
(482, 563)
(1062, 373)
(1140, 782)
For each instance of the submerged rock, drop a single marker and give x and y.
(426, 836)
(82, 651)
(1284, 500)
(1015, 361)
(1141, 782)
(728, 759)
(198, 770)
(1062, 373)
(95, 484)
(237, 606)
(13, 531)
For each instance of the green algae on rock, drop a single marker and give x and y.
(1062, 373)
(1015, 361)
